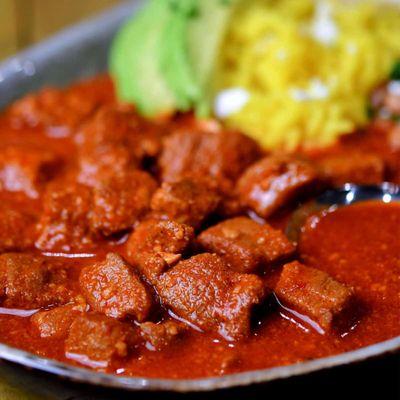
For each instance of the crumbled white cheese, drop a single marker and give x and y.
(394, 88)
(316, 90)
(323, 26)
(230, 101)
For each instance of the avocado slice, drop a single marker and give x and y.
(173, 58)
(134, 61)
(205, 34)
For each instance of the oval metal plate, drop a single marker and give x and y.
(82, 51)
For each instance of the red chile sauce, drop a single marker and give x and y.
(357, 245)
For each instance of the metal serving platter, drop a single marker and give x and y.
(76, 53)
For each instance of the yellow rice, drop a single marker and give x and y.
(270, 52)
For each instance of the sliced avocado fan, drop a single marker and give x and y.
(164, 58)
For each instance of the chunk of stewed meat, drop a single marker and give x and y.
(26, 169)
(273, 182)
(113, 288)
(355, 167)
(246, 245)
(17, 229)
(61, 111)
(160, 335)
(114, 141)
(28, 281)
(220, 154)
(119, 202)
(97, 341)
(312, 292)
(206, 292)
(187, 200)
(65, 221)
(55, 323)
(155, 246)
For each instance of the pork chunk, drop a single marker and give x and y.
(187, 201)
(220, 154)
(65, 221)
(112, 287)
(246, 245)
(98, 341)
(55, 323)
(355, 167)
(61, 111)
(17, 229)
(119, 202)
(273, 182)
(161, 335)
(204, 291)
(154, 246)
(26, 169)
(114, 141)
(29, 281)
(312, 292)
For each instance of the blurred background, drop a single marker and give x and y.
(24, 22)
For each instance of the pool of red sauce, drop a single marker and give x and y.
(358, 245)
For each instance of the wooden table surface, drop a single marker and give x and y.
(25, 22)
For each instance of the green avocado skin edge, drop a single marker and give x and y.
(163, 59)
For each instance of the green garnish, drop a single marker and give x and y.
(395, 74)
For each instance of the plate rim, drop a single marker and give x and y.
(82, 375)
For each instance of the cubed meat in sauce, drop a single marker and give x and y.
(114, 141)
(220, 154)
(113, 288)
(246, 245)
(98, 341)
(313, 292)
(355, 167)
(55, 323)
(17, 229)
(26, 169)
(119, 202)
(160, 335)
(154, 246)
(274, 182)
(65, 221)
(29, 281)
(189, 201)
(61, 111)
(204, 291)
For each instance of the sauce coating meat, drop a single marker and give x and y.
(29, 281)
(25, 169)
(312, 292)
(245, 244)
(188, 200)
(273, 182)
(119, 202)
(112, 287)
(204, 291)
(158, 247)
